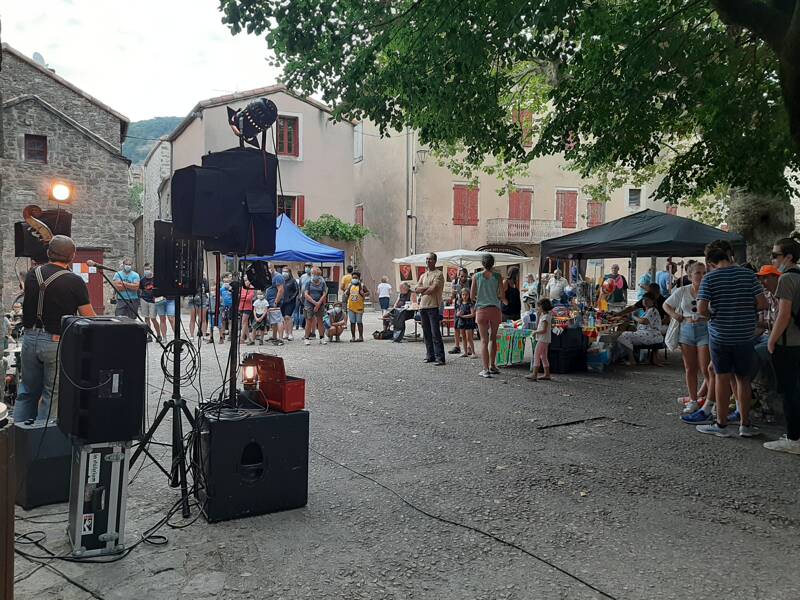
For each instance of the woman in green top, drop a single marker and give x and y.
(487, 290)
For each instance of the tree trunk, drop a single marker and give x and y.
(760, 219)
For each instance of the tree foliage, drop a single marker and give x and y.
(136, 197)
(328, 226)
(697, 89)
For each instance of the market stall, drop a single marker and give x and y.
(647, 233)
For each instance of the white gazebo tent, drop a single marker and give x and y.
(471, 259)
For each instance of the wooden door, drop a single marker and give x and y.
(96, 280)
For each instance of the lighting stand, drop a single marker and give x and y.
(233, 356)
(177, 406)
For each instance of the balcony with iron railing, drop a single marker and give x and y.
(535, 231)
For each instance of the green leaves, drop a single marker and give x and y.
(617, 86)
(328, 226)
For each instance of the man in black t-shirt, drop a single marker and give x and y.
(52, 291)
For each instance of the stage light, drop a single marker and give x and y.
(256, 117)
(60, 192)
(250, 376)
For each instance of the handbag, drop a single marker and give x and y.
(672, 337)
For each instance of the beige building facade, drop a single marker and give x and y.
(315, 156)
(412, 205)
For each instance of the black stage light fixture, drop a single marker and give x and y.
(255, 118)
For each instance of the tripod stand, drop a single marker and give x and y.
(177, 406)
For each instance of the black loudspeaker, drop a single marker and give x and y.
(250, 466)
(43, 459)
(101, 389)
(229, 202)
(26, 244)
(178, 263)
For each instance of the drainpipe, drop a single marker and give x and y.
(409, 214)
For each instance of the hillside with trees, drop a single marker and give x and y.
(142, 135)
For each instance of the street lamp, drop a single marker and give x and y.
(60, 192)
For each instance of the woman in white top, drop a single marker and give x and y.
(682, 306)
(648, 329)
(384, 293)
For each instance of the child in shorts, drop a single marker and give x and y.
(465, 322)
(260, 310)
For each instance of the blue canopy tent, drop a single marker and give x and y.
(292, 245)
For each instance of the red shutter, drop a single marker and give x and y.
(472, 206)
(459, 204)
(300, 210)
(519, 205)
(336, 272)
(359, 215)
(595, 213)
(567, 208)
(672, 210)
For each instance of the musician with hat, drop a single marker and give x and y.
(52, 291)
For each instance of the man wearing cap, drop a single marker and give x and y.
(52, 291)
(768, 275)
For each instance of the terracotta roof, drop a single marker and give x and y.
(235, 97)
(125, 120)
(109, 147)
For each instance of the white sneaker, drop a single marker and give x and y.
(693, 406)
(749, 431)
(486, 374)
(324, 342)
(784, 445)
(290, 338)
(307, 342)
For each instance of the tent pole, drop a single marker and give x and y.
(632, 272)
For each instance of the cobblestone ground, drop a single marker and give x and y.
(625, 500)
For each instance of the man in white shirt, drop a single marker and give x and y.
(556, 286)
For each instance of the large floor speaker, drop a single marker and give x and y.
(101, 391)
(178, 262)
(43, 457)
(251, 466)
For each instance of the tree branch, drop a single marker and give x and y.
(765, 21)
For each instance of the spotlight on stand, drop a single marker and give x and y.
(60, 192)
(255, 118)
(250, 376)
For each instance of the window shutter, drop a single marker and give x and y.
(596, 213)
(459, 202)
(519, 205)
(567, 208)
(472, 206)
(359, 215)
(300, 210)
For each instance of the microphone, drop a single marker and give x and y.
(91, 263)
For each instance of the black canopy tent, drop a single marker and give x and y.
(645, 233)
(648, 233)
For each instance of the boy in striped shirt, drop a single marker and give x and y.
(730, 296)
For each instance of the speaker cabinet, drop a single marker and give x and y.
(250, 466)
(101, 388)
(178, 263)
(43, 458)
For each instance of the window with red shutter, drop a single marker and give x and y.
(519, 205)
(595, 213)
(672, 210)
(567, 208)
(359, 215)
(300, 202)
(472, 206)
(288, 136)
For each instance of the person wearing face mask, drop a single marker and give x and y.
(147, 306)
(289, 302)
(314, 296)
(274, 296)
(784, 342)
(356, 295)
(335, 322)
(126, 281)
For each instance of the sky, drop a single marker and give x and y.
(146, 58)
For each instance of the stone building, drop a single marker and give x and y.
(53, 131)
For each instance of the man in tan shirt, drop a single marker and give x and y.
(429, 292)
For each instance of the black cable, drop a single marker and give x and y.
(467, 527)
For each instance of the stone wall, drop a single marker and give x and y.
(155, 171)
(99, 180)
(19, 78)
